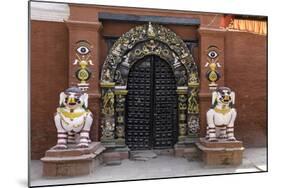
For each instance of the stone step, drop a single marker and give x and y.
(142, 155)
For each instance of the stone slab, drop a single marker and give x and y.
(72, 150)
(221, 143)
(143, 154)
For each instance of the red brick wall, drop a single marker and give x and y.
(49, 75)
(245, 73)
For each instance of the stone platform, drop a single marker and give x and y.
(221, 152)
(72, 161)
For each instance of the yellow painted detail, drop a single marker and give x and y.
(213, 76)
(71, 115)
(222, 111)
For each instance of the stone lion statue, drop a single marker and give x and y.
(73, 119)
(221, 116)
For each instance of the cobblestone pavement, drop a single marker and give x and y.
(254, 160)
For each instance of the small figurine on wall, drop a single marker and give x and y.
(73, 118)
(221, 116)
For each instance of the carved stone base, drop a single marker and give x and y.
(72, 161)
(221, 152)
(120, 142)
(108, 143)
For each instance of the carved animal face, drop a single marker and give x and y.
(73, 98)
(223, 95)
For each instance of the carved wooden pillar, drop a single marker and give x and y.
(193, 108)
(193, 111)
(108, 113)
(182, 112)
(120, 98)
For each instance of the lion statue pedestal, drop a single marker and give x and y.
(220, 146)
(74, 154)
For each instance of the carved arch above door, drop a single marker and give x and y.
(149, 39)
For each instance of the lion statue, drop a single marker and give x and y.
(221, 116)
(73, 119)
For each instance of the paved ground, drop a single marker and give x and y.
(254, 160)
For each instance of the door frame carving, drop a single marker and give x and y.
(141, 41)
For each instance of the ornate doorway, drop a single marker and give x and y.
(141, 65)
(151, 105)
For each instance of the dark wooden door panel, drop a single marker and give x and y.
(165, 105)
(151, 105)
(138, 130)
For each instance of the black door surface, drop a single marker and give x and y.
(151, 105)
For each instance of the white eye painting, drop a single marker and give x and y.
(213, 54)
(83, 50)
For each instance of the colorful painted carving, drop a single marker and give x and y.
(83, 55)
(73, 118)
(213, 64)
(221, 116)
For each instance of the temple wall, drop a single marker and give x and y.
(244, 70)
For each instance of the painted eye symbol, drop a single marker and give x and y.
(213, 54)
(83, 50)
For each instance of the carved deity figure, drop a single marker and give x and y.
(107, 130)
(108, 103)
(73, 119)
(193, 106)
(221, 116)
(193, 125)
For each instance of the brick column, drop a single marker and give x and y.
(89, 32)
(210, 38)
